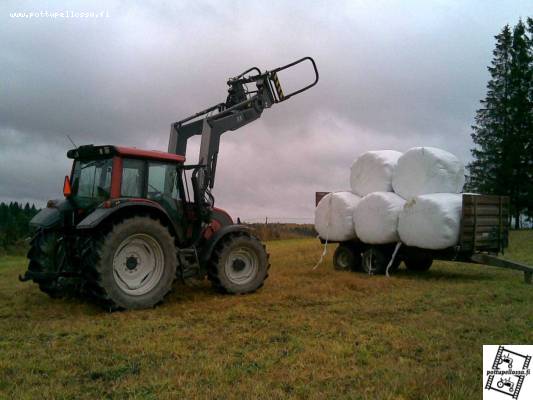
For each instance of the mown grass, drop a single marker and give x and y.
(316, 334)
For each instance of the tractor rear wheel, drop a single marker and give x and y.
(239, 264)
(134, 265)
(44, 256)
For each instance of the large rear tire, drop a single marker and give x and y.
(44, 256)
(239, 264)
(134, 265)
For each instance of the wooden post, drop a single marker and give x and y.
(474, 228)
(501, 243)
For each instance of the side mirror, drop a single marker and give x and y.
(67, 189)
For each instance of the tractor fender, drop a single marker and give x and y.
(219, 219)
(127, 208)
(52, 216)
(209, 245)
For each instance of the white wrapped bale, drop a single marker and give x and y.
(376, 217)
(431, 221)
(372, 172)
(334, 216)
(426, 170)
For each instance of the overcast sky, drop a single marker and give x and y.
(393, 75)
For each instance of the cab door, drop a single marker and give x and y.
(161, 187)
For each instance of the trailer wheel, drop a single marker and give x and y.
(418, 261)
(239, 264)
(347, 257)
(376, 260)
(396, 263)
(134, 265)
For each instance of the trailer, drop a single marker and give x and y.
(483, 237)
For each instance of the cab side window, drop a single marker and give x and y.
(132, 178)
(162, 180)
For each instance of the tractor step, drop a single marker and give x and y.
(189, 262)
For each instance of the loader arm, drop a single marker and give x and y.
(242, 106)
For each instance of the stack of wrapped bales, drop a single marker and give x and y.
(412, 197)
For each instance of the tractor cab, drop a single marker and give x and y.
(102, 173)
(109, 177)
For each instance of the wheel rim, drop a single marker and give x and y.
(241, 266)
(138, 264)
(343, 259)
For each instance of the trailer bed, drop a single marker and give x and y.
(483, 235)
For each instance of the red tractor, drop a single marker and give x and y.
(134, 220)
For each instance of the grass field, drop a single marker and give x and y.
(307, 334)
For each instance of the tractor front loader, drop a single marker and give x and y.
(133, 220)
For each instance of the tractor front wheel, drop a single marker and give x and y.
(134, 264)
(239, 264)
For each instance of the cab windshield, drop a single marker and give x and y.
(92, 179)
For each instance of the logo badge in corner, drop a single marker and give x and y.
(507, 372)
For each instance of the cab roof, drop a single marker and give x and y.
(91, 152)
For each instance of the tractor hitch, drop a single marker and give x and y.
(43, 276)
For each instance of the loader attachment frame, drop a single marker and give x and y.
(242, 106)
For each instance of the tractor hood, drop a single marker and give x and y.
(53, 215)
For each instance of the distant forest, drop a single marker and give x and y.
(274, 231)
(14, 220)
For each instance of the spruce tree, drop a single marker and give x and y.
(490, 129)
(529, 143)
(502, 133)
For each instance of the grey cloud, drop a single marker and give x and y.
(393, 75)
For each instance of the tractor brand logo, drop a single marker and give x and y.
(507, 372)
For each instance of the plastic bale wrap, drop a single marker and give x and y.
(431, 221)
(376, 217)
(334, 216)
(426, 170)
(372, 172)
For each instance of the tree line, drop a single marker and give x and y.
(503, 130)
(14, 223)
(276, 230)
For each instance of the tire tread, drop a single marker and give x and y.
(213, 265)
(95, 266)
